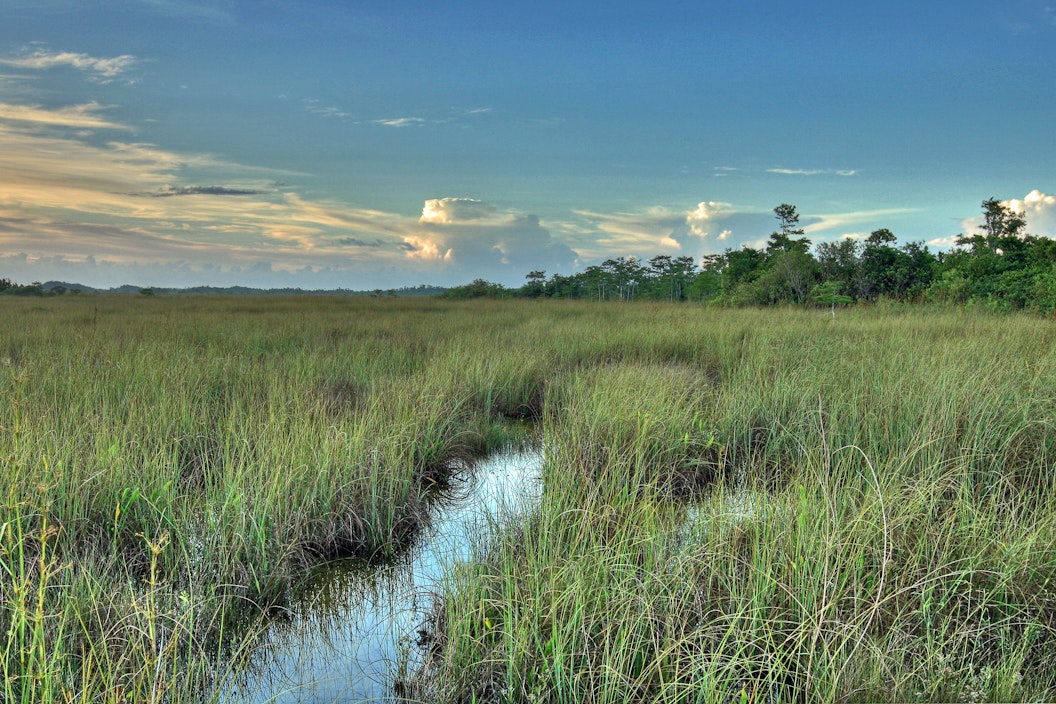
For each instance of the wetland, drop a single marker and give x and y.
(199, 494)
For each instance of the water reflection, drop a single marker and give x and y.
(341, 642)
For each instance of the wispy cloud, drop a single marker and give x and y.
(821, 222)
(813, 172)
(195, 9)
(314, 107)
(59, 188)
(401, 122)
(85, 116)
(100, 69)
(644, 232)
(204, 190)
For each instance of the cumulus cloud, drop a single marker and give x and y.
(702, 219)
(1039, 209)
(470, 238)
(446, 211)
(100, 69)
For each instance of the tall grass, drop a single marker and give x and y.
(739, 505)
(879, 524)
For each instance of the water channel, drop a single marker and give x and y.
(343, 640)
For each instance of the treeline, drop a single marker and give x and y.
(1001, 268)
(7, 286)
(56, 288)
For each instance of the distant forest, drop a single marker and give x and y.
(1000, 268)
(61, 288)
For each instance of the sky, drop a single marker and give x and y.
(367, 144)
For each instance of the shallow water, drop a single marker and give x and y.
(343, 640)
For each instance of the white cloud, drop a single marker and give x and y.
(401, 122)
(701, 220)
(447, 211)
(942, 242)
(101, 69)
(1039, 209)
(813, 172)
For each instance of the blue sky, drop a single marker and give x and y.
(355, 144)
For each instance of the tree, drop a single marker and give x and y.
(478, 288)
(879, 263)
(742, 266)
(1002, 229)
(535, 285)
(782, 240)
(625, 275)
(841, 261)
(828, 294)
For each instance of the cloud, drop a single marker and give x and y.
(646, 232)
(468, 238)
(1039, 209)
(356, 242)
(103, 70)
(813, 172)
(701, 220)
(447, 211)
(824, 222)
(312, 106)
(708, 228)
(77, 116)
(401, 122)
(185, 8)
(204, 190)
(130, 203)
